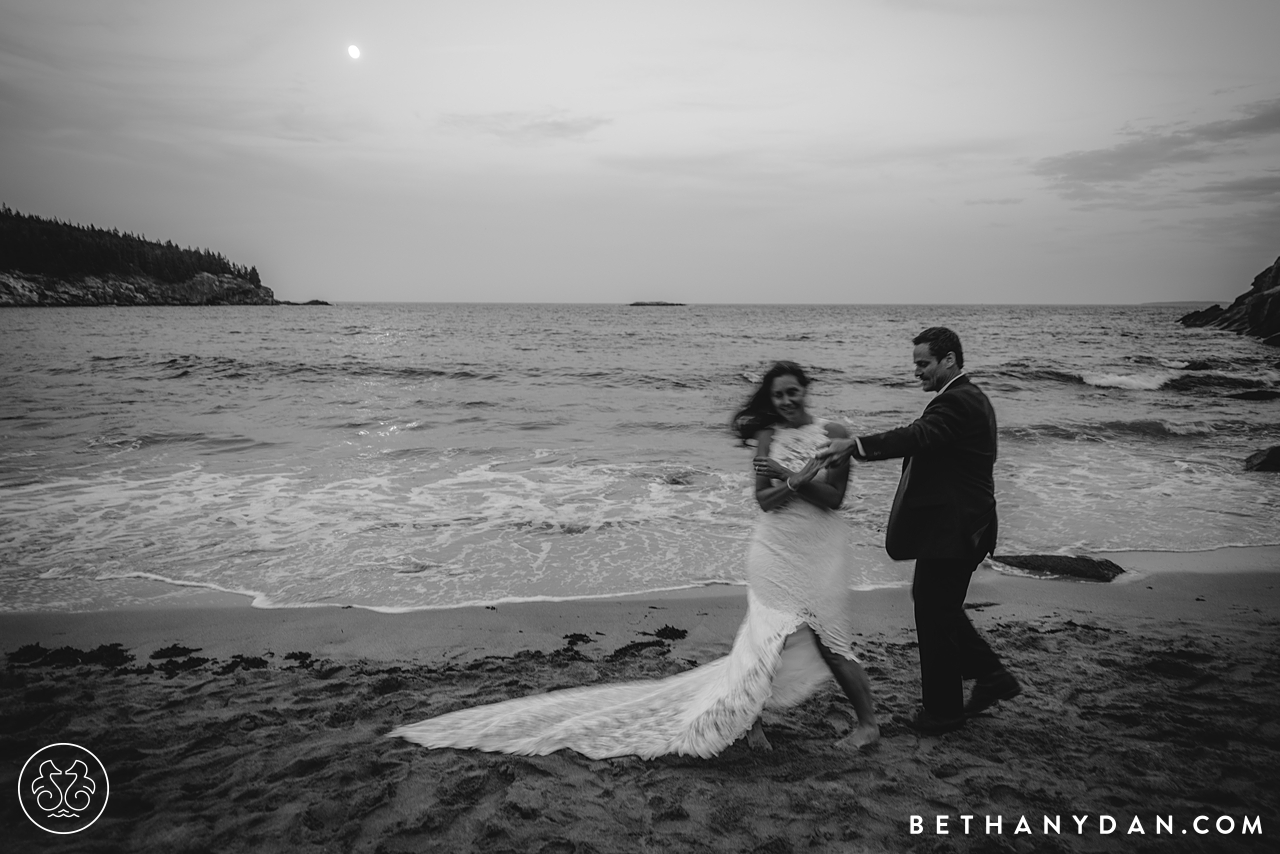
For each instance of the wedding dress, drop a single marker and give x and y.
(798, 567)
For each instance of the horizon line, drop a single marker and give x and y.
(649, 303)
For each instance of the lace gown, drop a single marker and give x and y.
(798, 568)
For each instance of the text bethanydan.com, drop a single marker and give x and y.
(1103, 825)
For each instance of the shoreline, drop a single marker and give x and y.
(1139, 564)
(267, 730)
(216, 621)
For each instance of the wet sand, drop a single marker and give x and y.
(1153, 698)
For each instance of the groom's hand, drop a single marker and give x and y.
(838, 451)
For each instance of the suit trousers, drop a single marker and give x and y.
(951, 650)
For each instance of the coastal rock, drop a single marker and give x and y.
(23, 289)
(1202, 317)
(1077, 566)
(1268, 460)
(1255, 312)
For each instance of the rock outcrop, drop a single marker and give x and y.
(24, 289)
(1255, 312)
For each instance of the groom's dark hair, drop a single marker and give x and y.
(941, 341)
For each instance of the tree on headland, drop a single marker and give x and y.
(49, 247)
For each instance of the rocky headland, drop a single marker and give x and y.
(23, 289)
(47, 262)
(1255, 312)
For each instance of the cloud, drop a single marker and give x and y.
(526, 127)
(1125, 162)
(1133, 160)
(1261, 118)
(1249, 234)
(1008, 201)
(1243, 189)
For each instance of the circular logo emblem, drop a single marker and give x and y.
(63, 788)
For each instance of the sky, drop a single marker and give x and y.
(859, 151)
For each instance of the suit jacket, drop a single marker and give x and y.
(945, 506)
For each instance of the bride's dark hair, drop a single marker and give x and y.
(759, 412)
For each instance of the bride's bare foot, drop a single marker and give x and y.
(756, 739)
(863, 737)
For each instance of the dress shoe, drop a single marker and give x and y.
(990, 690)
(926, 723)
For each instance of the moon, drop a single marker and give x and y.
(354, 52)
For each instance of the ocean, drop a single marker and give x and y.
(409, 456)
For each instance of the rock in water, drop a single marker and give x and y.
(1201, 317)
(1077, 566)
(1268, 460)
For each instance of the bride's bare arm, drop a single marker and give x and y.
(829, 492)
(770, 495)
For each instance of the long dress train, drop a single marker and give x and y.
(798, 568)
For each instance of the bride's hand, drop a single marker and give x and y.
(808, 472)
(766, 467)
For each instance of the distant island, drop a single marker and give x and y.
(657, 302)
(45, 262)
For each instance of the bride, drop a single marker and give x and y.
(797, 632)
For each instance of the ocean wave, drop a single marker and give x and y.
(210, 443)
(199, 367)
(1023, 373)
(1216, 380)
(647, 426)
(259, 599)
(231, 444)
(1201, 364)
(1180, 381)
(1051, 375)
(1051, 432)
(1120, 429)
(1132, 382)
(1200, 375)
(228, 367)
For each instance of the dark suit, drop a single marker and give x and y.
(944, 516)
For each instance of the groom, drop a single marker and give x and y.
(944, 516)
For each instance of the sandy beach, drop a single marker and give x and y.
(1149, 703)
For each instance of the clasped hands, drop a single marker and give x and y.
(838, 451)
(766, 467)
(833, 454)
